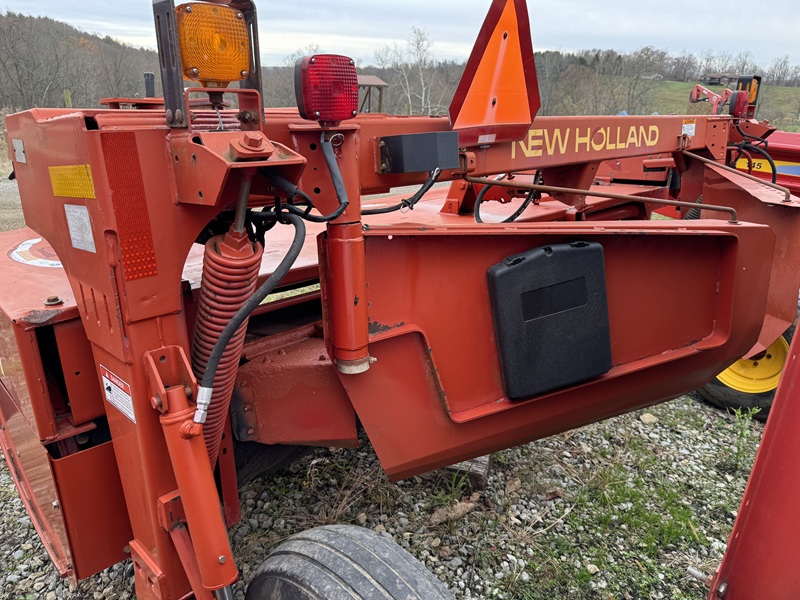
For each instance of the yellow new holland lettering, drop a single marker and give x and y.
(557, 139)
(603, 139)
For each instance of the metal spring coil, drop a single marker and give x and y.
(227, 283)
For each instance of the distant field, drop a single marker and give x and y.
(779, 105)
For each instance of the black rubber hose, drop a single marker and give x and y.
(255, 300)
(747, 136)
(479, 200)
(765, 154)
(336, 176)
(293, 191)
(408, 203)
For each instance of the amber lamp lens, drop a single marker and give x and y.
(214, 43)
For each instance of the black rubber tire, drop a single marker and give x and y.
(338, 562)
(722, 396)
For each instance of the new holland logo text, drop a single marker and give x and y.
(575, 140)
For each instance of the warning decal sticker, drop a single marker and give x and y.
(80, 227)
(35, 252)
(118, 393)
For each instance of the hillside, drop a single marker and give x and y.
(41, 58)
(47, 63)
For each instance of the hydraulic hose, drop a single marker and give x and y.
(293, 191)
(767, 157)
(408, 203)
(525, 204)
(748, 147)
(747, 136)
(207, 383)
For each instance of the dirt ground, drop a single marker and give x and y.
(10, 207)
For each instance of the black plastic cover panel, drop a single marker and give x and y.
(551, 317)
(418, 152)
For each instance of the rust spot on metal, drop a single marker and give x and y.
(375, 327)
(41, 317)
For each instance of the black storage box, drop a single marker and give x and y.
(551, 317)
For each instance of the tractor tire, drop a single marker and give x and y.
(343, 562)
(751, 383)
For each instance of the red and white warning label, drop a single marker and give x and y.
(118, 393)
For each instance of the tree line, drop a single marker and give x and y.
(47, 63)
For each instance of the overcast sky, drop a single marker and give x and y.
(358, 27)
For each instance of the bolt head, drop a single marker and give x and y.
(188, 9)
(313, 61)
(53, 301)
(253, 140)
(194, 71)
(54, 504)
(222, 560)
(244, 73)
(239, 15)
(251, 431)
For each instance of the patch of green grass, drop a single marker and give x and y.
(780, 105)
(452, 489)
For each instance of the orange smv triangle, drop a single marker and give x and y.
(498, 95)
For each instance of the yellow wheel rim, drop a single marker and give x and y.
(758, 374)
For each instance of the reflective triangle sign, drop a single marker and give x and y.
(498, 95)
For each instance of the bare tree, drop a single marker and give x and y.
(32, 65)
(279, 81)
(425, 85)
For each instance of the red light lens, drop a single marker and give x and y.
(738, 104)
(326, 86)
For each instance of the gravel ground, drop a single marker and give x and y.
(617, 509)
(614, 510)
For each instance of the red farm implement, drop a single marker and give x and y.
(148, 367)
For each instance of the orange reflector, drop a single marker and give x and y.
(214, 43)
(498, 95)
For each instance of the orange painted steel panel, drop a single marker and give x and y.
(439, 379)
(80, 378)
(94, 508)
(761, 558)
(288, 393)
(29, 465)
(561, 141)
(758, 203)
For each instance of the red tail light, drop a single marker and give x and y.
(326, 86)
(738, 104)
